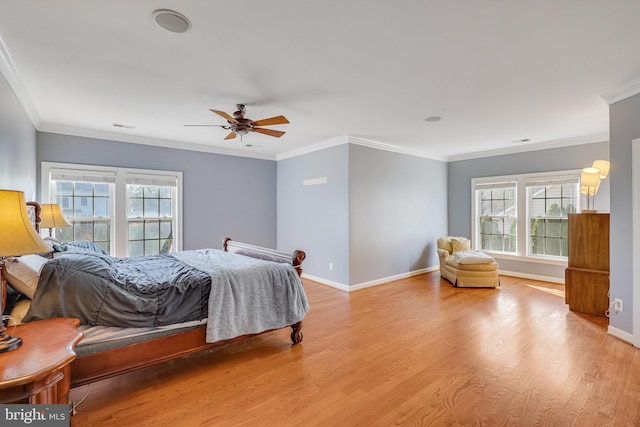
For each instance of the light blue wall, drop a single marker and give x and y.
(17, 145)
(379, 215)
(315, 218)
(556, 159)
(223, 195)
(397, 211)
(624, 124)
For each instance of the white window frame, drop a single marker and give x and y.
(153, 180)
(490, 185)
(545, 180)
(522, 216)
(120, 205)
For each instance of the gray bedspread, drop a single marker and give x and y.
(238, 295)
(248, 295)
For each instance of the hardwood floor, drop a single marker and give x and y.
(412, 352)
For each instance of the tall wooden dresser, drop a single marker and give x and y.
(587, 274)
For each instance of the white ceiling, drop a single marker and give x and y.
(497, 71)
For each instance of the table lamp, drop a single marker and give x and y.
(52, 217)
(589, 183)
(17, 237)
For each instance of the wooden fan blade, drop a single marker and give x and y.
(270, 132)
(225, 115)
(278, 120)
(231, 135)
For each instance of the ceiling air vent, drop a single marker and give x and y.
(120, 125)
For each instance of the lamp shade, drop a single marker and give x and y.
(590, 177)
(589, 191)
(604, 167)
(17, 235)
(52, 216)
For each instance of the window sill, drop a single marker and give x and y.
(524, 258)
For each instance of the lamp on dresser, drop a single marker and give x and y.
(17, 237)
(590, 180)
(52, 217)
(589, 183)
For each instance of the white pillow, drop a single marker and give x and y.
(23, 273)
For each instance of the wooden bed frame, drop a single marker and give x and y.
(108, 363)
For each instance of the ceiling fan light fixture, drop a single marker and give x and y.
(171, 20)
(240, 125)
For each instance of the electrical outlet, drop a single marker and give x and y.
(617, 304)
(331, 266)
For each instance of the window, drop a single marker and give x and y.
(549, 204)
(497, 216)
(86, 202)
(543, 201)
(150, 218)
(128, 212)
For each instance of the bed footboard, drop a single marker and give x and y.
(259, 252)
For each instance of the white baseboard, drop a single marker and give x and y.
(618, 333)
(384, 280)
(322, 281)
(363, 285)
(531, 276)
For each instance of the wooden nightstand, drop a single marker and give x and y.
(38, 371)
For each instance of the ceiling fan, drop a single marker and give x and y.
(239, 125)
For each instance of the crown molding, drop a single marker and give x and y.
(332, 142)
(621, 92)
(558, 143)
(157, 142)
(10, 72)
(349, 139)
(393, 148)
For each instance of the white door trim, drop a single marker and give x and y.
(635, 188)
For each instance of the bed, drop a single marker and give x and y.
(234, 301)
